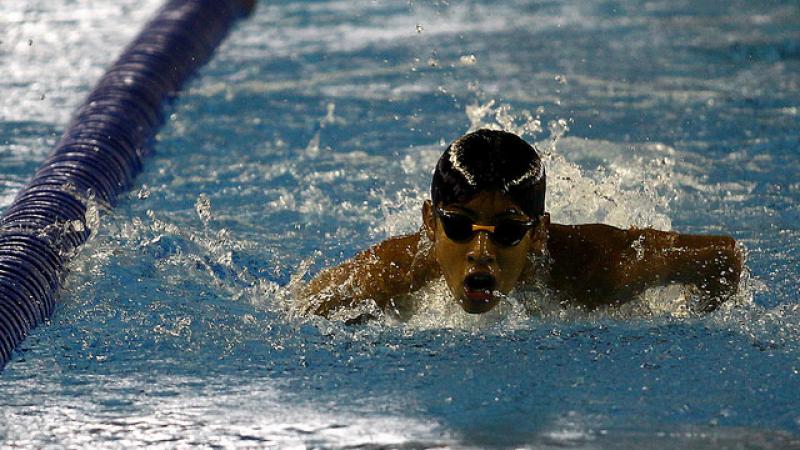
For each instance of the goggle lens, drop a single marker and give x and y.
(510, 232)
(457, 227)
(460, 228)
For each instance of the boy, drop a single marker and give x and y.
(485, 230)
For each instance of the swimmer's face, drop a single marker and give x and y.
(476, 266)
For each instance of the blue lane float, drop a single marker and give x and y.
(98, 157)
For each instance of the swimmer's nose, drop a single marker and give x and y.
(481, 250)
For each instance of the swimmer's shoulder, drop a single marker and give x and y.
(583, 258)
(397, 248)
(408, 258)
(380, 273)
(581, 244)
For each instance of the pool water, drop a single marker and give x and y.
(312, 134)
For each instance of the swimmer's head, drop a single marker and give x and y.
(490, 160)
(486, 215)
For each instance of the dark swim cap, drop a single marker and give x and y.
(490, 160)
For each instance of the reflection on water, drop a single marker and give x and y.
(313, 134)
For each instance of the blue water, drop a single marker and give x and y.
(313, 133)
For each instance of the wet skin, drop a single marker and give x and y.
(590, 265)
(499, 266)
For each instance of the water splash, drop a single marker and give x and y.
(632, 186)
(523, 124)
(631, 189)
(203, 208)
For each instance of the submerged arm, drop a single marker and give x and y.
(396, 266)
(616, 264)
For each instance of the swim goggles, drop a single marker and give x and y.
(461, 228)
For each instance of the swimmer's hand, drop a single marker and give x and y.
(384, 272)
(713, 264)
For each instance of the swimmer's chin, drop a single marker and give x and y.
(477, 308)
(477, 302)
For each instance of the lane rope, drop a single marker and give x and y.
(98, 157)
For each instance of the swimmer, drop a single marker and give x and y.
(485, 230)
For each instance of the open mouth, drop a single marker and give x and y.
(479, 287)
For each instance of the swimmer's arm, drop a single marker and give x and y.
(394, 267)
(711, 263)
(614, 265)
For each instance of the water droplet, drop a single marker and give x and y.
(203, 207)
(467, 60)
(557, 128)
(249, 319)
(77, 225)
(143, 193)
(312, 149)
(330, 117)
